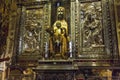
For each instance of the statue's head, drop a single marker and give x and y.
(60, 13)
(58, 24)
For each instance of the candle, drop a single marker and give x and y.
(70, 48)
(46, 49)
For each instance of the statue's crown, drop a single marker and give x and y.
(60, 9)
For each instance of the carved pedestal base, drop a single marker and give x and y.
(55, 70)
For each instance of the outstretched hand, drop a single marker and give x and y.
(50, 31)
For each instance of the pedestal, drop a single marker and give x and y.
(55, 70)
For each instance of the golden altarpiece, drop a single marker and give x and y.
(66, 39)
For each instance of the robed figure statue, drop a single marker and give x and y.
(58, 43)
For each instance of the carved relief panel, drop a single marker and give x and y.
(91, 21)
(32, 30)
(34, 20)
(93, 25)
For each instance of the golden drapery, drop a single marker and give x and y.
(59, 39)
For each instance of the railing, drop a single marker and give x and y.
(21, 77)
(32, 77)
(100, 78)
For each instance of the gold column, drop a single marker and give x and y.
(117, 17)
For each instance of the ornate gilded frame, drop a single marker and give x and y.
(103, 51)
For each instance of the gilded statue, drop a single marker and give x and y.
(59, 34)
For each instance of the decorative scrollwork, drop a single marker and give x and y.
(56, 76)
(33, 28)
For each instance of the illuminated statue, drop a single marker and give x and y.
(59, 34)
